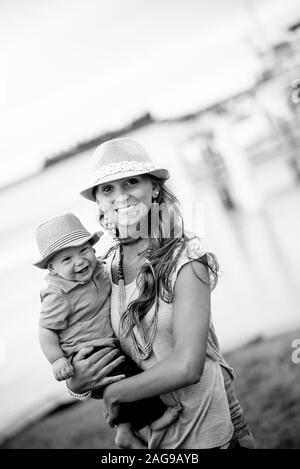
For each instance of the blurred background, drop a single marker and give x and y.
(209, 89)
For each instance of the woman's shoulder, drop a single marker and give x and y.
(194, 248)
(187, 248)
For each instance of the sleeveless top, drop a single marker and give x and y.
(205, 419)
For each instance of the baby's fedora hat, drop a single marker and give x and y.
(117, 159)
(59, 233)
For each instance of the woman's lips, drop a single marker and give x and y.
(124, 209)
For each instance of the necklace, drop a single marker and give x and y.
(147, 332)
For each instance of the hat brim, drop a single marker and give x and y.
(92, 239)
(88, 192)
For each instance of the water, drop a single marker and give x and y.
(258, 292)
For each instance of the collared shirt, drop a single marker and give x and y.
(78, 311)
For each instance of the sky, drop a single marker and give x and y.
(71, 69)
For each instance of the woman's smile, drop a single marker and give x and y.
(125, 209)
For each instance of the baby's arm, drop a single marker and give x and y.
(49, 342)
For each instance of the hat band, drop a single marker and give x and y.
(122, 166)
(64, 240)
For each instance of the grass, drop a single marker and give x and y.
(267, 385)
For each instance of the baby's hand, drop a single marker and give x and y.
(62, 369)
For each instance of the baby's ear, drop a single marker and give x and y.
(51, 268)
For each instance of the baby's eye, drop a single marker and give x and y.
(85, 249)
(66, 259)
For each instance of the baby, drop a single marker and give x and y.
(75, 312)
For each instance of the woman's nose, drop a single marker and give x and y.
(119, 190)
(120, 200)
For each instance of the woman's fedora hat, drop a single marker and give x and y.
(118, 159)
(59, 233)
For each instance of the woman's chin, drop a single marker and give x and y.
(129, 223)
(131, 231)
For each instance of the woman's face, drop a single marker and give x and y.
(127, 201)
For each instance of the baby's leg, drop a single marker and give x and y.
(247, 441)
(126, 438)
(170, 415)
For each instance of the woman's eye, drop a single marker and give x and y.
(106, 188)
(131, 182)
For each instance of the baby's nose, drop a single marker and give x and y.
(79, 260)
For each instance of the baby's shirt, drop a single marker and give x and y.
(78, 311)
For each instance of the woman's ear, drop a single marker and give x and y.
(155, 190)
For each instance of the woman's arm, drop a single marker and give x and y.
(92, 372)
(49, 342)
(191, 316)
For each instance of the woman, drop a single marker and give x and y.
(160, 304)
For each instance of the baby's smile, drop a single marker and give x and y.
(83, 270)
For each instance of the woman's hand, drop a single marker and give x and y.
(92, 372)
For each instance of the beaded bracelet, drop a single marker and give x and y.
(81, 397)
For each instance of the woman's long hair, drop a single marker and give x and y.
(167, 242)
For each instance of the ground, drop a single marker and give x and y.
(267, 385)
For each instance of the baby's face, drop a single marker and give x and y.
(74, 263)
